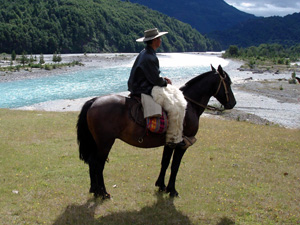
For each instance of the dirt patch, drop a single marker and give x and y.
(281, 90)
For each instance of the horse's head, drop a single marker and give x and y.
(215, 83)
(223, 92)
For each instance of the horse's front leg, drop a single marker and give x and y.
(178, 154)
(165, 161)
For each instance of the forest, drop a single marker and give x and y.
(276, 52)
(75, 26)
(270, 30)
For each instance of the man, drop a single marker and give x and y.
(145, 79)
(145, 73)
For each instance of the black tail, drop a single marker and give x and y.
(86, 142)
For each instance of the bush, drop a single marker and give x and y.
(48, 67)
(251, 64)
(280, 61)
(42, 61)
(37, 65)
(293, 79)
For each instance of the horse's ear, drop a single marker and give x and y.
(212, 68)
(220, 70)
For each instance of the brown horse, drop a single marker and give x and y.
(106, 118)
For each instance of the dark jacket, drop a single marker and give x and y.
(145, 73)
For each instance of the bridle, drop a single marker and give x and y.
(222, 81)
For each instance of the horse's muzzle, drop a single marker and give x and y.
(230, 105)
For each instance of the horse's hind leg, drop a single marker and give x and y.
(167, 154)
(93, 177)
(178, 154)
(96, 171)
(101, 190)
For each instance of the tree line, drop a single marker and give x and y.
(75, 26)
(276, 52)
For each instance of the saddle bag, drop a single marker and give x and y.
(157, 124)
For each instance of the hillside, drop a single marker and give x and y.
(72, 26)
(281, 30)
(205, 16)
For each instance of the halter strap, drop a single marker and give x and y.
(222, 80)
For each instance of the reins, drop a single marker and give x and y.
(209, 107)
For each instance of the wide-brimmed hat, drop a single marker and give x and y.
(150, 35)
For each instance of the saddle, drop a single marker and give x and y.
(153, 124)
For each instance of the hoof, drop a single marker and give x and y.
(173, 192)
(100, 193)
(161, 187)
(103, 195)
(106, 196)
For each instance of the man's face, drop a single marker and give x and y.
(157, 42)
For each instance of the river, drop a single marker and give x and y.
(68, 90)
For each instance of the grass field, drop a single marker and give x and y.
(236, 173)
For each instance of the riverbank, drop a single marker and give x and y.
(88, 61)
(263, 98)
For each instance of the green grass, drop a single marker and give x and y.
(236, 173)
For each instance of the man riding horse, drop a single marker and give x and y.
(145, 80)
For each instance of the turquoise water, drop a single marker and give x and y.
(91, 82)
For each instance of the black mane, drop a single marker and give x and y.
(195, 80)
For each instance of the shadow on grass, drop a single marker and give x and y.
(162, 212)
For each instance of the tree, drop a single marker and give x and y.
(24, 58)
(42, 61)
(13, 55)
(31, 59)
(56, 57)
(233, 50)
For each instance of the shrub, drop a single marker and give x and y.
(37, 65)
(48, 67)
(42, 61)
